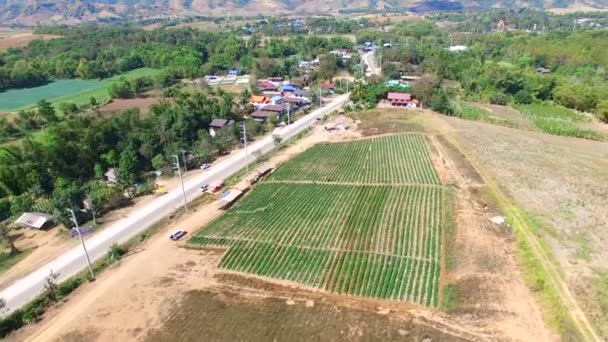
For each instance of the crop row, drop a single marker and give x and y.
(400, 220)
(393, 159)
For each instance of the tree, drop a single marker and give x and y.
(8, 238)
(46, 111)
(328, 67)
(66, 195)
(359, 92)
(602, 110)
(159, 161)
(21, 203)
(68, 108)
(128, 165)
(93, 101)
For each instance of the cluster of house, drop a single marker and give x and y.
(279, 97)
(403, 100)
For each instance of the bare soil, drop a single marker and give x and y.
(22, 39)
(117, 105)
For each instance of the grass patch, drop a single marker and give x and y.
(450, 229)
(471, 112)
(557, 120)
(7, 260)
(76, 91)
(449, 298)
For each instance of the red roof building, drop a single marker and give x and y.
(399, 99)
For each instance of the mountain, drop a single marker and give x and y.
(30, 12)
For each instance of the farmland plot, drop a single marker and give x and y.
(373, 240)
(394, 159)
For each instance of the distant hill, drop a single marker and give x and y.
(30, 12)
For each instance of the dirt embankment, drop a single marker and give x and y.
(21, 40)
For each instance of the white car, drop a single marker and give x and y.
(205, 166)
(178, 234)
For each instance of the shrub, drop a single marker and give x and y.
(498, 98)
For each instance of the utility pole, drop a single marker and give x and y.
(320, 97)
(185, 161)
(181, 179)
(86, 253)
(246, 152)
(289, 121)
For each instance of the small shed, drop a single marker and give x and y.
(111, 176)
(399, 99)
(543, 70)
(233, 72)
(229, 197)
(35, 220)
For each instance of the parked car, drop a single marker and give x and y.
(205, 166)
(178, 234)
(217, 186)
(203, 187)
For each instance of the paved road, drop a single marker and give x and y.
(73, 261)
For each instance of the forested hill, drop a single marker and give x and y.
(31, 12)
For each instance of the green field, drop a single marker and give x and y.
(558, 120)
(379, 236)
(75, 90)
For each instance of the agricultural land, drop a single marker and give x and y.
(362, 218)
(75, 91)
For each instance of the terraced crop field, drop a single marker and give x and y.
(375, 232)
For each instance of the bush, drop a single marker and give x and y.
(499, 98)
(523, 96)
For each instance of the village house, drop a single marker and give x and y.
(277, 99)
(295, 102)
(260, 115)
(399, 99)
(266, 85)
(301, 93)
(258, 100)
(217, 124)
(328, 87)
(35, 220)
(274, 108)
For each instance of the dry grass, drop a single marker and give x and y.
(22, 39)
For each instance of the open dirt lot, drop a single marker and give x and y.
(22, 39)
(163, 292)
(117, 105)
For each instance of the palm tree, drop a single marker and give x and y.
(359, 92)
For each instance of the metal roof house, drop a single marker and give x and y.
(35, 220)
(399, 99)
(217, 124)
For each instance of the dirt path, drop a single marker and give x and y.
(577, 315)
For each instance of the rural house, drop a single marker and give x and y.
(35, 220)
(217, 124)
(277, 99)
(266, 85)
(258, 100)
(328, 87)
(277, 109)
(301, 93)
(260, 115)
(399, 99)
(294, 101)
